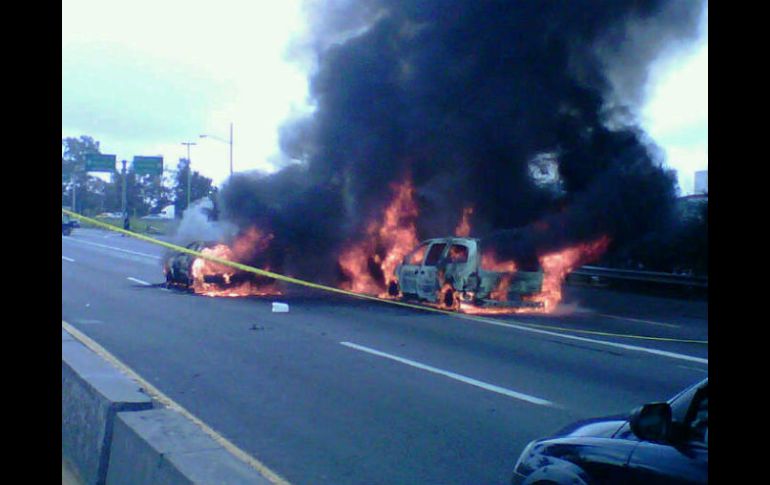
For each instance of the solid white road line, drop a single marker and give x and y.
(452, 375)
(617, 345)
(65, 258)
(116, 249)
(135, 280)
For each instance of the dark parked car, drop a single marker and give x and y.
(660, 443)
(67, 224)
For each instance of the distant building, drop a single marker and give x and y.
(702, 182)
(691, 206)
(167, 212)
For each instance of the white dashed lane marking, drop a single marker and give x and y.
(458, 377)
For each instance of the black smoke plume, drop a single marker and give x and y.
(466, 97)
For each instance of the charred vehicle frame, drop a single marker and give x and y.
(446, 270)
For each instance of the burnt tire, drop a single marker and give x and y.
(393, 289)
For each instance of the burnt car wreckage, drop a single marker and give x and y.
(178, 269)
(442, 270)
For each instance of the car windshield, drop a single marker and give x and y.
(416, 256)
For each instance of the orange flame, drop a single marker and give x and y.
(463, 229)
(214, 279)
(490, 262)
(500, 293)
(556, 267)
(384, 246)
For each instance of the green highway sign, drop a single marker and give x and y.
(148, 165)
(100, 163)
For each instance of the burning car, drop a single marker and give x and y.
(178, 266)
(209, 278)
(452, 271)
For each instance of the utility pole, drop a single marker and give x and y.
(189, 171)
(124, 198)
(74, 186)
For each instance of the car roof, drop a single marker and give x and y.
(452, 239)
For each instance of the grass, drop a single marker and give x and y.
(142, 226)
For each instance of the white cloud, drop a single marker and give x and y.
(676, 114)
(142, 77)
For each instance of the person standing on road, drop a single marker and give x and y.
(126, 224)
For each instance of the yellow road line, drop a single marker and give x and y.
(289, 279)
(173, 405)
(650, 322)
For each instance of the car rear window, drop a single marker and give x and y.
(458, 254)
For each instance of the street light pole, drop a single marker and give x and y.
(189, 171)
(225, 141)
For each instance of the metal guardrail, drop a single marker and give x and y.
(645, 276)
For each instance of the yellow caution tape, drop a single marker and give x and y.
(289, 279)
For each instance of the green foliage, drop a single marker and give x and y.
(200, 187)
(145, 194)
(681, 247)
(87, 192)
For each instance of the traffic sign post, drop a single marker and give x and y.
(100, 163)
(148, 165)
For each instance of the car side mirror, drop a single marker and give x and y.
(651, 422)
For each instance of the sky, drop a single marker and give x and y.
(142, 77)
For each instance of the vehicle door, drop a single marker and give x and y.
(457, 267)
(410, 268)
(427, 279)
(684, 460)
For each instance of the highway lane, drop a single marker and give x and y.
(297, 391)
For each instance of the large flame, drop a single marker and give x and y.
(213, 279)
(369, 265)
(556, 266)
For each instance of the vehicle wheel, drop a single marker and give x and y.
(449, 298)
(393, 289)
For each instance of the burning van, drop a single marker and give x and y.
(453, 271)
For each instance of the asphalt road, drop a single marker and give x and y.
(345, 391)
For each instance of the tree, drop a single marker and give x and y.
(200, 187)
(89, 192)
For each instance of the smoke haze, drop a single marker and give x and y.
(464, 97)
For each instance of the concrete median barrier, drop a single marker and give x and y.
(113, 433)
(161, 446)
(93, 392)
